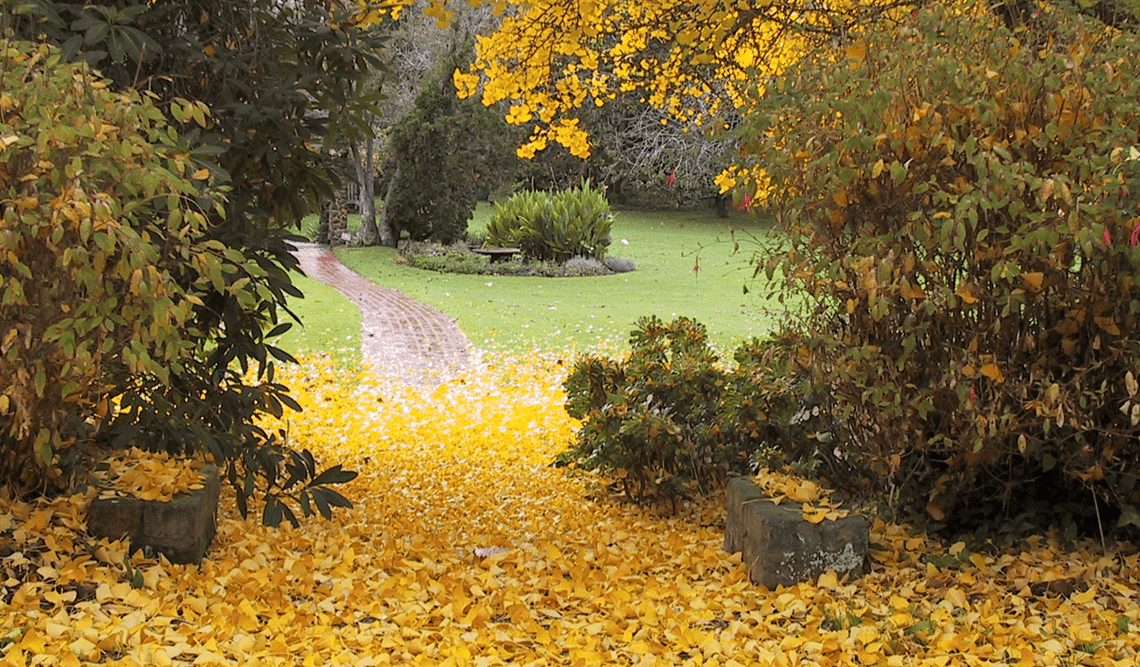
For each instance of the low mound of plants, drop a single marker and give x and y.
(672, 419)
(458, 258)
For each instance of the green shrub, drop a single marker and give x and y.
(671, 419)
(573, 223)
(112, 289)
(971, 237)
(444, 151)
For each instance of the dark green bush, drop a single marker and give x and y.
(971, 238)
(573, 223)
(444, 151)
(671, 419)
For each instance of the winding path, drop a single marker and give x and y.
(402, 337)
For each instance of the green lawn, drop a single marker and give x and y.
(523, 313)
(330, 322)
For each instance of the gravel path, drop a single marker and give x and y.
(399, 335)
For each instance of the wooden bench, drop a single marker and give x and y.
(497, 254)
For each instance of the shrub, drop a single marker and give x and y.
(620, 265)
(971, 238)
(440, 150)
(573, 223)
(112, 289)
(671, 418)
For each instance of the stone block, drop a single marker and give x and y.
(780, 547)
(181, 529)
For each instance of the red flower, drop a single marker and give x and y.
(672, 178)
(973, 394)
(1107, 238)
(746, 203)
(1135, 238)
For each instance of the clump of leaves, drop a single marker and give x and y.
(971, 238)
(671, 419)
(544, 574)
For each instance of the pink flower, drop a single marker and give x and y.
(1135, 238)
(973, 394)
(1107, 238)
(672, 178)
(746, 203)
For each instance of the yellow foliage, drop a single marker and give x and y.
(148, 475)
(466, 547)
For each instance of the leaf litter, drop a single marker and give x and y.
(466, 547)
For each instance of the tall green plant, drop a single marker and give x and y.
(575, 222)
(971, 238)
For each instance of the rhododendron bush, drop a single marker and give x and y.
(465, 547)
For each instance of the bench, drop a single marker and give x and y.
(497, 254)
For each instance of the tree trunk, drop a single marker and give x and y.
(388, 234)
(363, 159)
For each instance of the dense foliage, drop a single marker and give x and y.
(255, 75)
(670, 419)
(575, 222)
(445, 151)
(971, 238)
(103, 253)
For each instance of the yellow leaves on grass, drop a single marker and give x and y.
(466, 548)
(148, 476)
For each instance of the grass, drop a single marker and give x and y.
(329, 321)
(524, 313)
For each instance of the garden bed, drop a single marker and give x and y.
(461, 258)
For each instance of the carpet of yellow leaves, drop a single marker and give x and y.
(450, 474)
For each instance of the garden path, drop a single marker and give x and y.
(400, 336)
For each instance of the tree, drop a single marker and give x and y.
(690, 59)
(414, 49)
(261, 69)
(441, 150)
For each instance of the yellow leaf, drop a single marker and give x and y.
(1033, 279)
(201, 174)
(856, 53)
(815, 515)
(828, 580)
(992, 372)
(840, 197)
(966, 295)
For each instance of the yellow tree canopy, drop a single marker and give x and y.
(689, 57)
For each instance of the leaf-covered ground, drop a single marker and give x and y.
(452, 474)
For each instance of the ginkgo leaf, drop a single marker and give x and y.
(992, 372)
